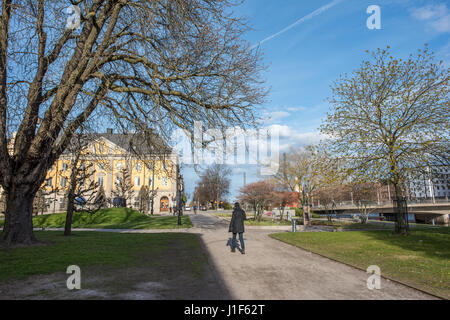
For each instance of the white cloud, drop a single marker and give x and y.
(275, 116)
(289, 137)
(437, 16)
(297, 108)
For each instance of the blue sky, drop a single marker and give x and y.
(304, 60)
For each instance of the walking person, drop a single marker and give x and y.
(195, 209)
(237, 226)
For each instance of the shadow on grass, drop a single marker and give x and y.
(114, 266)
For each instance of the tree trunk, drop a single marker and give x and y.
(69, 214)
(400, 225)
(18, 228)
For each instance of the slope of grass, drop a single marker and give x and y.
(111, 218)
(421, 259)
(105, 249)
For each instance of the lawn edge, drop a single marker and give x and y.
(358, 268)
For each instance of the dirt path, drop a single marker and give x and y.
(271, 269)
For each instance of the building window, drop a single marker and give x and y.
(64, 167)
(137, 181)
(150, 181)
(164, 181)
(49, 182)
(101, 166)
(63, 182)
(137, 166)
(100, 181)
(119, 166)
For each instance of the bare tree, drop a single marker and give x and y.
(328, 195)
(259, 195)
(40, 202)
(145, 196)
(214, 184)
(123, 186)
(306, 170)
(100, 200)
(146, 64)
(80, 191)
(364, 195)
(390, 120)
(281, 197)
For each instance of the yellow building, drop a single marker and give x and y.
(107, 156)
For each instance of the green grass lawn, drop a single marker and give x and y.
(342, 225)
(223, 215)
(267, 222)
(105, 249)
(111, 218)
(264, 221)
(421, 259)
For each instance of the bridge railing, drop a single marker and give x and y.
(354, 204)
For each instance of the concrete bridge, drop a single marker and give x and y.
(423, 212)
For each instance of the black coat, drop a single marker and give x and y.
(237, 221)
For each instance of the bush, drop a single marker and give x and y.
(227, 206)
(299, 213)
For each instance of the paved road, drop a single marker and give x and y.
(271, 269)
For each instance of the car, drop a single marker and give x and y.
(187, 209)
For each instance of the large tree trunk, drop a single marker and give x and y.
(18, 228)
(399, 210)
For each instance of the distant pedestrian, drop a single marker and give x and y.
(195, 209)
(237, 226)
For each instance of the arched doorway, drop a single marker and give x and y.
(164, 204)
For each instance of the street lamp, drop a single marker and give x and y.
(179, 193)
(153, 185)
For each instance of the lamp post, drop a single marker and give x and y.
(179, 195)
(153, 185)
(306, 217)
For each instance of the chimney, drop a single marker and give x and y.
(109, 130)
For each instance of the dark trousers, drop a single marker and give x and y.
(241, 239)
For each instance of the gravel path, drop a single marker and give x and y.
(271, 269)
